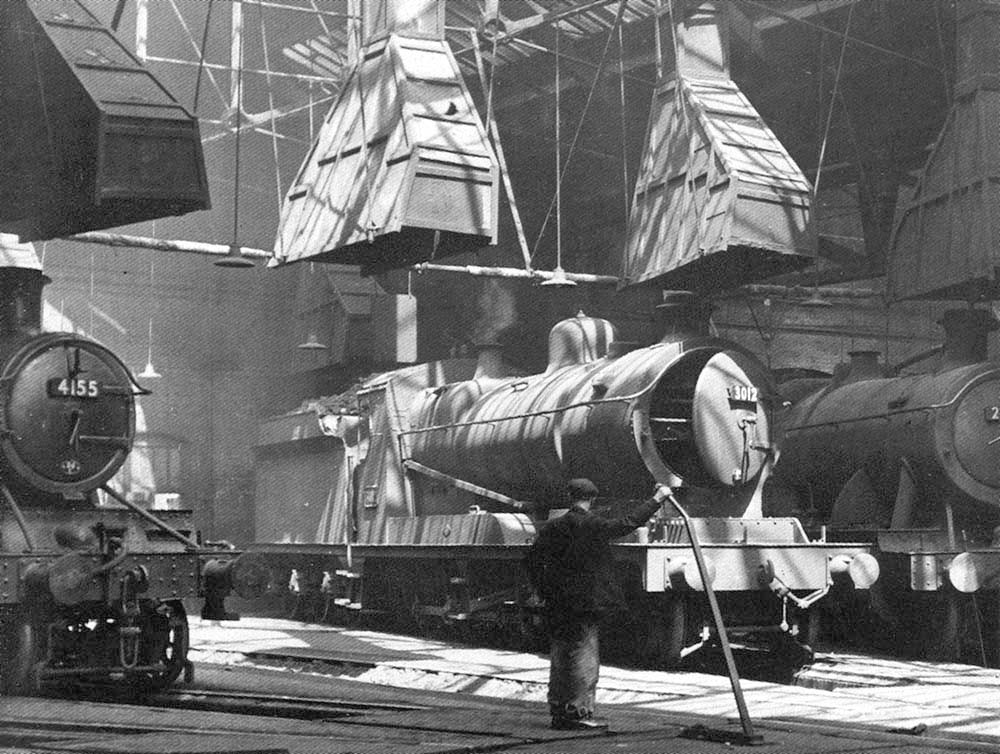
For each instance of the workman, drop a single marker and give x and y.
(571, 567)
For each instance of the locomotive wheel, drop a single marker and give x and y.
(170, 648)
(952, 627)
(962, 638)
(22, 653)
(420, 621)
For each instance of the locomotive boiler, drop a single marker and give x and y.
(912, 464)
(456, 463)
(91, 592)
(690, 411)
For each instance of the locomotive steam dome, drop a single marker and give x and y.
(578, 340)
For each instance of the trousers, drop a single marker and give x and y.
(574, 666)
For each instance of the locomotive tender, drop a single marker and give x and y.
(90, 592)
(453, 464)
(911, 464)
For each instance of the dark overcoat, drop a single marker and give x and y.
(571, 563)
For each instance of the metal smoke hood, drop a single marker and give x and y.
(946, 244)
(718, 201)
(402, 170)
(91, 139)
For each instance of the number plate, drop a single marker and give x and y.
(64, 387)
(742, 397)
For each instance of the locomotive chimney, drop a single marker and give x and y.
(863, 366)
(21, 283)
(683, 315)
(489, 361)
(965, 334)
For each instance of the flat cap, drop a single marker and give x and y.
(581, 489)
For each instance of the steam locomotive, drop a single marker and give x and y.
(91, 591)
(435, 483)
(911, 464)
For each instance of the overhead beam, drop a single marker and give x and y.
(163, 244)
(780, 17)
(514, 27)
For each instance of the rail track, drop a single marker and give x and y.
(269, 694)
(271, 705)
(829, 670)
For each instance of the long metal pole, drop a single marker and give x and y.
(513, 272)
(734, 678)
(214, 249)
(163, 244)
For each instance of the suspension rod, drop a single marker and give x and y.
(22, 523)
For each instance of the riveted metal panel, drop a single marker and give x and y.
(170, 576)
(738, 568)
(926, 572)
(8, 580)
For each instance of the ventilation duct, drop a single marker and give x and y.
(718, 201)
(946, 244)
(90, 138)
(401, 171)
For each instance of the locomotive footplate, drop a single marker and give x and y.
(738, 567)
(745, 554)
